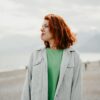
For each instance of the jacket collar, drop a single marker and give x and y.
(71, 49)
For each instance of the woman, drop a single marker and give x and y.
(54, 71)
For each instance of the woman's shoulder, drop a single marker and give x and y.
(71, 50)
(74, 52)
(37, 49)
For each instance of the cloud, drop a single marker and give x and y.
(82, 2)
(25, 17)
(15, 19)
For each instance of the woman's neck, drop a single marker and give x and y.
(52, 45)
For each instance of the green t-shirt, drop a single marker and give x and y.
(54, 61)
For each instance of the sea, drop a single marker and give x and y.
(21, 60)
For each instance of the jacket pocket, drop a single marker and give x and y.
(70, 66)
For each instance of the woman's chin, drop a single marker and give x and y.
(43, 39)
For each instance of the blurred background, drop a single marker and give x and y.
(20, 24)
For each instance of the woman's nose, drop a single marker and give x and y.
(42, 29)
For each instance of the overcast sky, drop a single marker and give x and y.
(26, 16)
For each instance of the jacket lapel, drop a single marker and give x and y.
(65, 61)
(45, 76)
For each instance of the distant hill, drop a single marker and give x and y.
(91, 45)
(83, 37)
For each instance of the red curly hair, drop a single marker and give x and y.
(62, 34)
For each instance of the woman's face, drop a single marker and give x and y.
(46, 34)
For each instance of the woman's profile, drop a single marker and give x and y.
(54, 71)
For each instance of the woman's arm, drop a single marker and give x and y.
(26, 93)
(76, 93)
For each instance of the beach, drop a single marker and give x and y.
(11, 83)
(91, 81)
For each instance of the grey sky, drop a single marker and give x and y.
(26, 16)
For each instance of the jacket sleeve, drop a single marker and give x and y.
(26, 93)
(76, 92)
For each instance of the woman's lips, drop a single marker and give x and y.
(42, 34)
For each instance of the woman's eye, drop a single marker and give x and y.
(45, 26)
